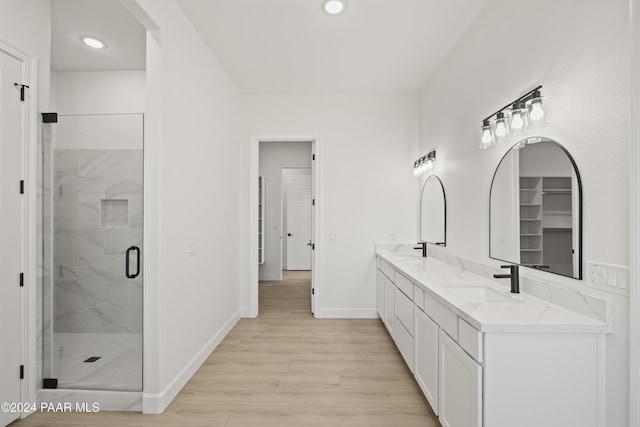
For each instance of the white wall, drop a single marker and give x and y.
(273, 157)
(192, 175)
(99, 92)
(368, 144)
(25, 26)
(579, 52)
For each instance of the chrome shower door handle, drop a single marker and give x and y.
(127, 256)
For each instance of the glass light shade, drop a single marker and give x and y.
(502, 127)
(538, 112)
(429, 164)
(518, 119)
(487, 137)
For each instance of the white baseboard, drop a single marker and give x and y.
(347, 313)
(156, 403)
(245, 312)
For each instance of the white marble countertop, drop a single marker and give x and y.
(449, 284)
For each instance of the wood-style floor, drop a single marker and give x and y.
(286, 368)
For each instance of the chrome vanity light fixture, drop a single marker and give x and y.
(424, 163)
(528, 111)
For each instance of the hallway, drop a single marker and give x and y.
(286, 368)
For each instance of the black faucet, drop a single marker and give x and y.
(514, 276)
(423, 248)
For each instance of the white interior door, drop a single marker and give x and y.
(10, 232)
(299, 221)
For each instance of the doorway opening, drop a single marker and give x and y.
(284, 170)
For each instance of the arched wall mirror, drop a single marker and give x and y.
(433, 212)
(535, 217)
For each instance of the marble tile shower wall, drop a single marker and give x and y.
(97, 201)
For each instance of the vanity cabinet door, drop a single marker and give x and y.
(425, 361)
(389, 312)
(380, 293)
(460, 386)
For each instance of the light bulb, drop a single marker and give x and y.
(537, 112)
(501, 129)
(429, 164)
(486, 136)
(516, 121)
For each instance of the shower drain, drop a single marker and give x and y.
(92, 359)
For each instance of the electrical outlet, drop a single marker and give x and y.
(332, 237)
(191, 248)
(610, 278)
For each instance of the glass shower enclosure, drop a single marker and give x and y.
(92, 201)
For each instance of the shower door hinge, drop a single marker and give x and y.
(21, 279)
(21, 90)
(22, 186)
(21, 372)
(49, 117)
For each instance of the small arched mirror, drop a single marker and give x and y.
(433, 212)
(535, 215)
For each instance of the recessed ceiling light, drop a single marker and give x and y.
(334, 7)
(93, 42)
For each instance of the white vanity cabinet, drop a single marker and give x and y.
(385, 290)
(460, 388)
(425, 362)
(380, 293)
(508, 375)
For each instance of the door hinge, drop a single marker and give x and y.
(21, 279)
(21, 186)
(313, 202)
(313, 291)
(21, 372)
(313, 157)
(21, 90)
(313, 246)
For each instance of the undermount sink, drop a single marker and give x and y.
(479, 294)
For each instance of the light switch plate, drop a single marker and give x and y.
(607, 277)
(191, 248)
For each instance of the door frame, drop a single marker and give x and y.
(29, 171)
(634, 214)
(254, 160)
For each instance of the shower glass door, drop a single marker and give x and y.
(92, 230)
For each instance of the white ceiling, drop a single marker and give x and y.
(282, 46)
(292, 46)
(107, 20)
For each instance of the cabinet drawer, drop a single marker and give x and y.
(418, 297)
(405, 285)
(387, 269)
(404, 342)
(444, 317)
(404, 310)
(470, 339)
